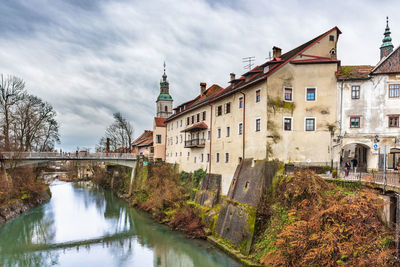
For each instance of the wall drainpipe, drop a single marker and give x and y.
(209, 160)
(243, 144)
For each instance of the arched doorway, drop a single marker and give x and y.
(394, 159)
(356, 154)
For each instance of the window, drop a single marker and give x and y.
(180, 154)
(355, 122)
(202, 135)
(176, 154)
(394, 121)
(226, 157)
(310, 94)
(227, 108)
(181, 139)
(241, 102)
(217, 157)
(198, 117)
(158, 138)
(288, 94)
(331, 38)
(176, 141)
(188, 154)
(219, 110)
(172, 125)
(192, 119)
(310, 124)
(208, 135)
(355, 92)
(393, 90)
(258, 124)
(219, 132)
(228, 131)
(258, 96)
(201, 157)
(177, 124)
(181, 123)
(204, 115)
(208, 157)
(187, 121)
(166, 109)
(240, 129)
(287, 124)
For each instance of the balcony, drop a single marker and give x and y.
(195, 143)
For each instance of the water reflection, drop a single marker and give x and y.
(86, 226)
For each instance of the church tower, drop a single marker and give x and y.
(164, 100)
(387, 46)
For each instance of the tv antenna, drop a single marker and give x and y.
(269, 58)
(249, 61)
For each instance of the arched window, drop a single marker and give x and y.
(166, 109)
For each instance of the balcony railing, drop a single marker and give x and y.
(195, 143)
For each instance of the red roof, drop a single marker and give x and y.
(196, 126)
(160, 122)
(358, 72)
(146, 138)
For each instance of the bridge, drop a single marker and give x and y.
(17, 159)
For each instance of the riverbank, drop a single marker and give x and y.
(21, 189)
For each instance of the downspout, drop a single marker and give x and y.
(165, 141)
(243, 144)
(341, 109)
(209, 160)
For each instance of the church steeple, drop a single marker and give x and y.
(164, 100)
(387, 46)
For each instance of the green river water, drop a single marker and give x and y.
(84, 225)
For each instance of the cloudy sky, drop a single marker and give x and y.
(91, 58)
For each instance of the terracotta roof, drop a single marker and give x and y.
(144, 139)
(255, 75)
(356, 72)
(196, 126)
(160, 122)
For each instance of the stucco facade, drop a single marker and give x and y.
(285, 109)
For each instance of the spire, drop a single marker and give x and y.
(164, 75)
(387, 46)
(164, 87)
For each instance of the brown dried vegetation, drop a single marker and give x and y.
(328, 226)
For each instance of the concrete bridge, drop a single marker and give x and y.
(18, 159)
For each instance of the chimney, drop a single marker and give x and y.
(232, 76)
(277, 52)
(203, 88)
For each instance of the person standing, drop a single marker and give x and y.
(346, 168)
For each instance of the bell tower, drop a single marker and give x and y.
(164, 100)
(387, 46)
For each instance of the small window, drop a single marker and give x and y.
(208, 135)
(331, 38)
(181, 123)
(219, 132)
(187, 121)
(166, 109)
(198, 117)
(188, 154)
(287, 124)
(201, 157)
(202, 135)
(172, 125)
(219, 110)
(258, 124)
(310, 124)
(394, 121)
(393, 90)
(176, 154)
(241, 102)
(204, 115)
(228, 131)
(355, 92)
(226, 157)
(240, 129)
(176, 139)
(158, 138)
(208, 157)
(180, 154)
(181, 139)
(227, 108)
(288, 94)
(258, 96)
(310, 94)
(192, 119)
(177, 124)
(355, 122)
(217, 157)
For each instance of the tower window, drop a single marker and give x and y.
(166, 109)
(331, 38)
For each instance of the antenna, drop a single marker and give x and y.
(249, 62)
(269, 58)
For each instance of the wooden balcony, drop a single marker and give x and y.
(195, 143)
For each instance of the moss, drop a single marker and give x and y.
(278, 104)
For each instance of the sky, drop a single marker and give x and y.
(92, 58)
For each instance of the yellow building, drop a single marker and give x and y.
(284, 109)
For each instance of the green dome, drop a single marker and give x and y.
(164, 96)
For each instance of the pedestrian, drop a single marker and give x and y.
(346, 168)
(355, 162)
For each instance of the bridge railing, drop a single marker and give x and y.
(65, 155)
(392, 178)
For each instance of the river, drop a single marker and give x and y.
(83, 225)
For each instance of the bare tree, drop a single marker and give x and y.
(12, 90)
(119, 134)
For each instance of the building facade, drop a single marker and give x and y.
(284, 109)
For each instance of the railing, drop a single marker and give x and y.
(195, 143)
(65, 155)
(392, 178)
